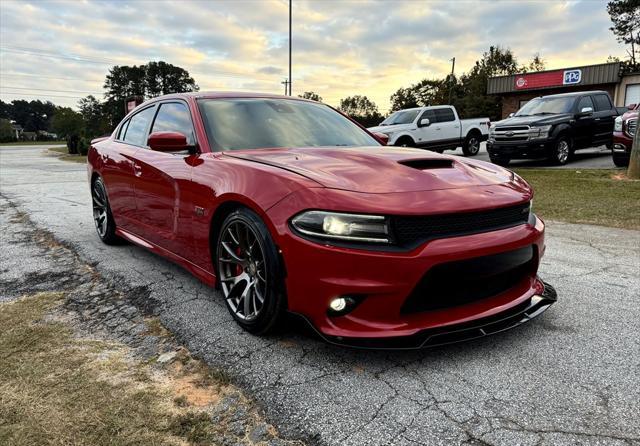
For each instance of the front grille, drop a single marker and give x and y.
(511, 133)
(513, 128)
(462, 282)
(632, 125)
(512, 138)
(412, 230)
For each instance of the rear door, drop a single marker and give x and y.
(162, 183)
(605, 115)
(584, 127)
(447, 126)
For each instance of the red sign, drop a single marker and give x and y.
(539, 80)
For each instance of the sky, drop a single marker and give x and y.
(61, 51)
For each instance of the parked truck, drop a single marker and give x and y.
(437, 128)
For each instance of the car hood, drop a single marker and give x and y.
(392, 128)
(379, 169)
(534, 120)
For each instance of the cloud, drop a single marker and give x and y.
(341, 48)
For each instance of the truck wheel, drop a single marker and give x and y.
(620, 161)
(504, 162)
(471, 145)
(405, 141)
(561, 152)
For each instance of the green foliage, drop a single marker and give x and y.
(31, 115)
(311, 95)
(362, 109)
(625, 16)
(6, 131)
(83, 146)
(95, 122)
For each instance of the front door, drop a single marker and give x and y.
(584, 127)
(162, 182)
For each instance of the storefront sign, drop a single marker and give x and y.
(548, 79)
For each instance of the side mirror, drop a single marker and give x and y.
(585, 111)
(167, 141)
(511, 115)
(384, 139)
(425, 122)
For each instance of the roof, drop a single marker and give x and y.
(228, 94)
(606, 73)
(575, 93)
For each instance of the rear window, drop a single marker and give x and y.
(602, 102)
(444, 115)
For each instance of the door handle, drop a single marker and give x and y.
(137, 170)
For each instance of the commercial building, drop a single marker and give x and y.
(517, 89)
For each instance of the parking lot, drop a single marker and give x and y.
(570, 377)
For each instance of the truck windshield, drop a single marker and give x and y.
(259, 123)
(546, 106)
(401, 117)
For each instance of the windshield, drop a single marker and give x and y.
(546, 106)
(260, 123)
(401, 117)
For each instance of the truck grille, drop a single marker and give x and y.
(462, 282)
(413, 230)
(632, 126)
(511, 133)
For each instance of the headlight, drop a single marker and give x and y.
(339, 226)
(540, 132)
(617, 126)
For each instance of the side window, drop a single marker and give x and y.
(137, 129)
(602, 102)
(585, 101)
(445, 115)
(430, 115)
(174, 117)
(123, 130)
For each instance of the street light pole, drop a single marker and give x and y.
(290, 78)
(453, 67)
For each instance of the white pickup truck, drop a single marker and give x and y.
(437, 128)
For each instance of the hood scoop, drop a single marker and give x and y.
(429, 163)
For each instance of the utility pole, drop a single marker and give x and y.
(453, 67)
(286, 84)
(290, 78)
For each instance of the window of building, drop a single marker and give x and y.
(632, 94)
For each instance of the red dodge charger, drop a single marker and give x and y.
(288, 206)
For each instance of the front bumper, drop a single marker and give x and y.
(383, 280)
(622, 144)
(520, 150)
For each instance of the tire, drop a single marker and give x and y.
(620, 162)
(562, 151)
(504, 162)
(405, 141)
(437, 150)
(250, 272)
(471, 145)
(102, 216)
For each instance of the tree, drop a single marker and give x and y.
(6, 131)
(361, 109)
(625, 16)
(147, 81)
(403, 98)
(536, 64)
(310, 95)
(67, 122)
(95, 121)
(31, 115)
(634, 161)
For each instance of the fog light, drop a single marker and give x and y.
(338, 304)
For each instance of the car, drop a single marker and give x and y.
(554, 127)
(436, 128)
(290, 207)
(624, 129)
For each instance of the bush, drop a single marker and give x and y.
(83, 147)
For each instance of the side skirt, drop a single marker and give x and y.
(203, 275)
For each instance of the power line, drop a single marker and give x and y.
(50, 89)
(38, 95)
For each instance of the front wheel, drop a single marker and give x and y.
(561, 152)
(250, 272)
(471, 145)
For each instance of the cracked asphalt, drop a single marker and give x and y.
(569, 377)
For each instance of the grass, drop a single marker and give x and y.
(66, 156)
(32, 143)
(593, 196)
(56, 388)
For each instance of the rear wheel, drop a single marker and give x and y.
(471, 145)
(250, 272)
(561, 152)
(102, 217)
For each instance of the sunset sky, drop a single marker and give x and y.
(61, 51)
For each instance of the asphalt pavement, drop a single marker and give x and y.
(569, 377)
